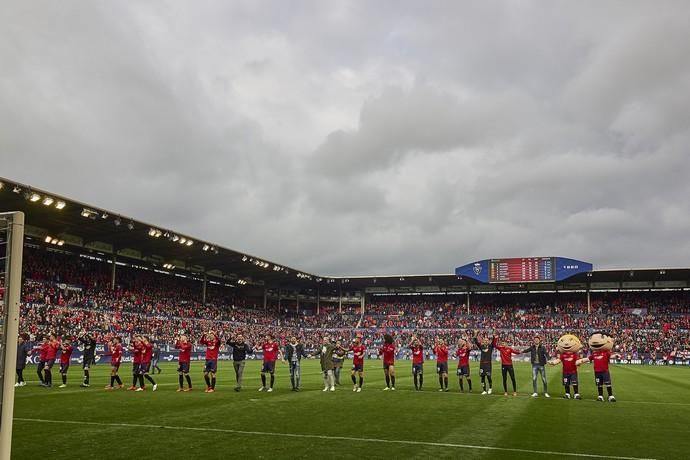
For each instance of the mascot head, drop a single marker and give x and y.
(601, 341)
(568, 343)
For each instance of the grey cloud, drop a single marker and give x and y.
(348, 138)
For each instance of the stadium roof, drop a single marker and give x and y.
(91, 229)
(76, 225)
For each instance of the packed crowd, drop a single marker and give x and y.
(66, 293)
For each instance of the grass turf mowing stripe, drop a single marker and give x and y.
(334, 438)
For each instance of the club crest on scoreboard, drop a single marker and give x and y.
(477, 268)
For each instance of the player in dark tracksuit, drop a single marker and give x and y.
(155, 358)
(486, 350)
(89, 355)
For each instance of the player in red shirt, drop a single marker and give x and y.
(417, 363)
(65, 357)
(212, 347)
(601, 344)
(51, 348)
(42, 349)
(358, 350)
(441, 351)
(271, 350)
(507, 353)
(464, 363)
(388, 352)
(115, 352)
(137, 349)
(184, 359)
(146, 361)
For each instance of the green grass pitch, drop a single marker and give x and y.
(650, 420)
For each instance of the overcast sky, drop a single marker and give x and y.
(371, 137)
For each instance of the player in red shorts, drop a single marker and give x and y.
(115, 352)
(388, 351)
(212, 347)
(271, 350)
(441, 351)
(65, 357)
(417, 363)
(507, 353)
(184, 359)
(358, 350)
(464, 363)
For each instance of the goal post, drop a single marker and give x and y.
(12, 238)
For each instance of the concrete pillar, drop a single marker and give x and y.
(203, 291)
(112, 275)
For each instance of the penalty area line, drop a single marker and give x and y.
(333, 438)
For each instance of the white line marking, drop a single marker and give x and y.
(334, 438)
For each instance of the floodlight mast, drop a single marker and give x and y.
(13, 282)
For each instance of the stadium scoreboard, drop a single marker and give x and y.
(526, 269)
(523, 269)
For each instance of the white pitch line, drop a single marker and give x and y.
(335, 438)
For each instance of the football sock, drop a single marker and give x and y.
(440, 381)
(263, 380)
(361, 381)
(354, 380)
(112, 380)
(488, 377)
(388, 381)
(181, 380)
(150, 379)
(273, 378)
(141, 381)
(469, 384)
(416, 381)
(64, 379)
(484, 383)
(421, 380)
(189, 381)
(393, 381)
(567, 389)
(462, 387)
(445, 381)
(575, 387)
(40, 375)
(86, 376)
(601, 391)
(609, 390)
(134, 380)
(213, 383)
(49, 377)
(20, 375)
(208, 381)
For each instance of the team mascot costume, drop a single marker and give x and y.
(600, 347)
(568, 348)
